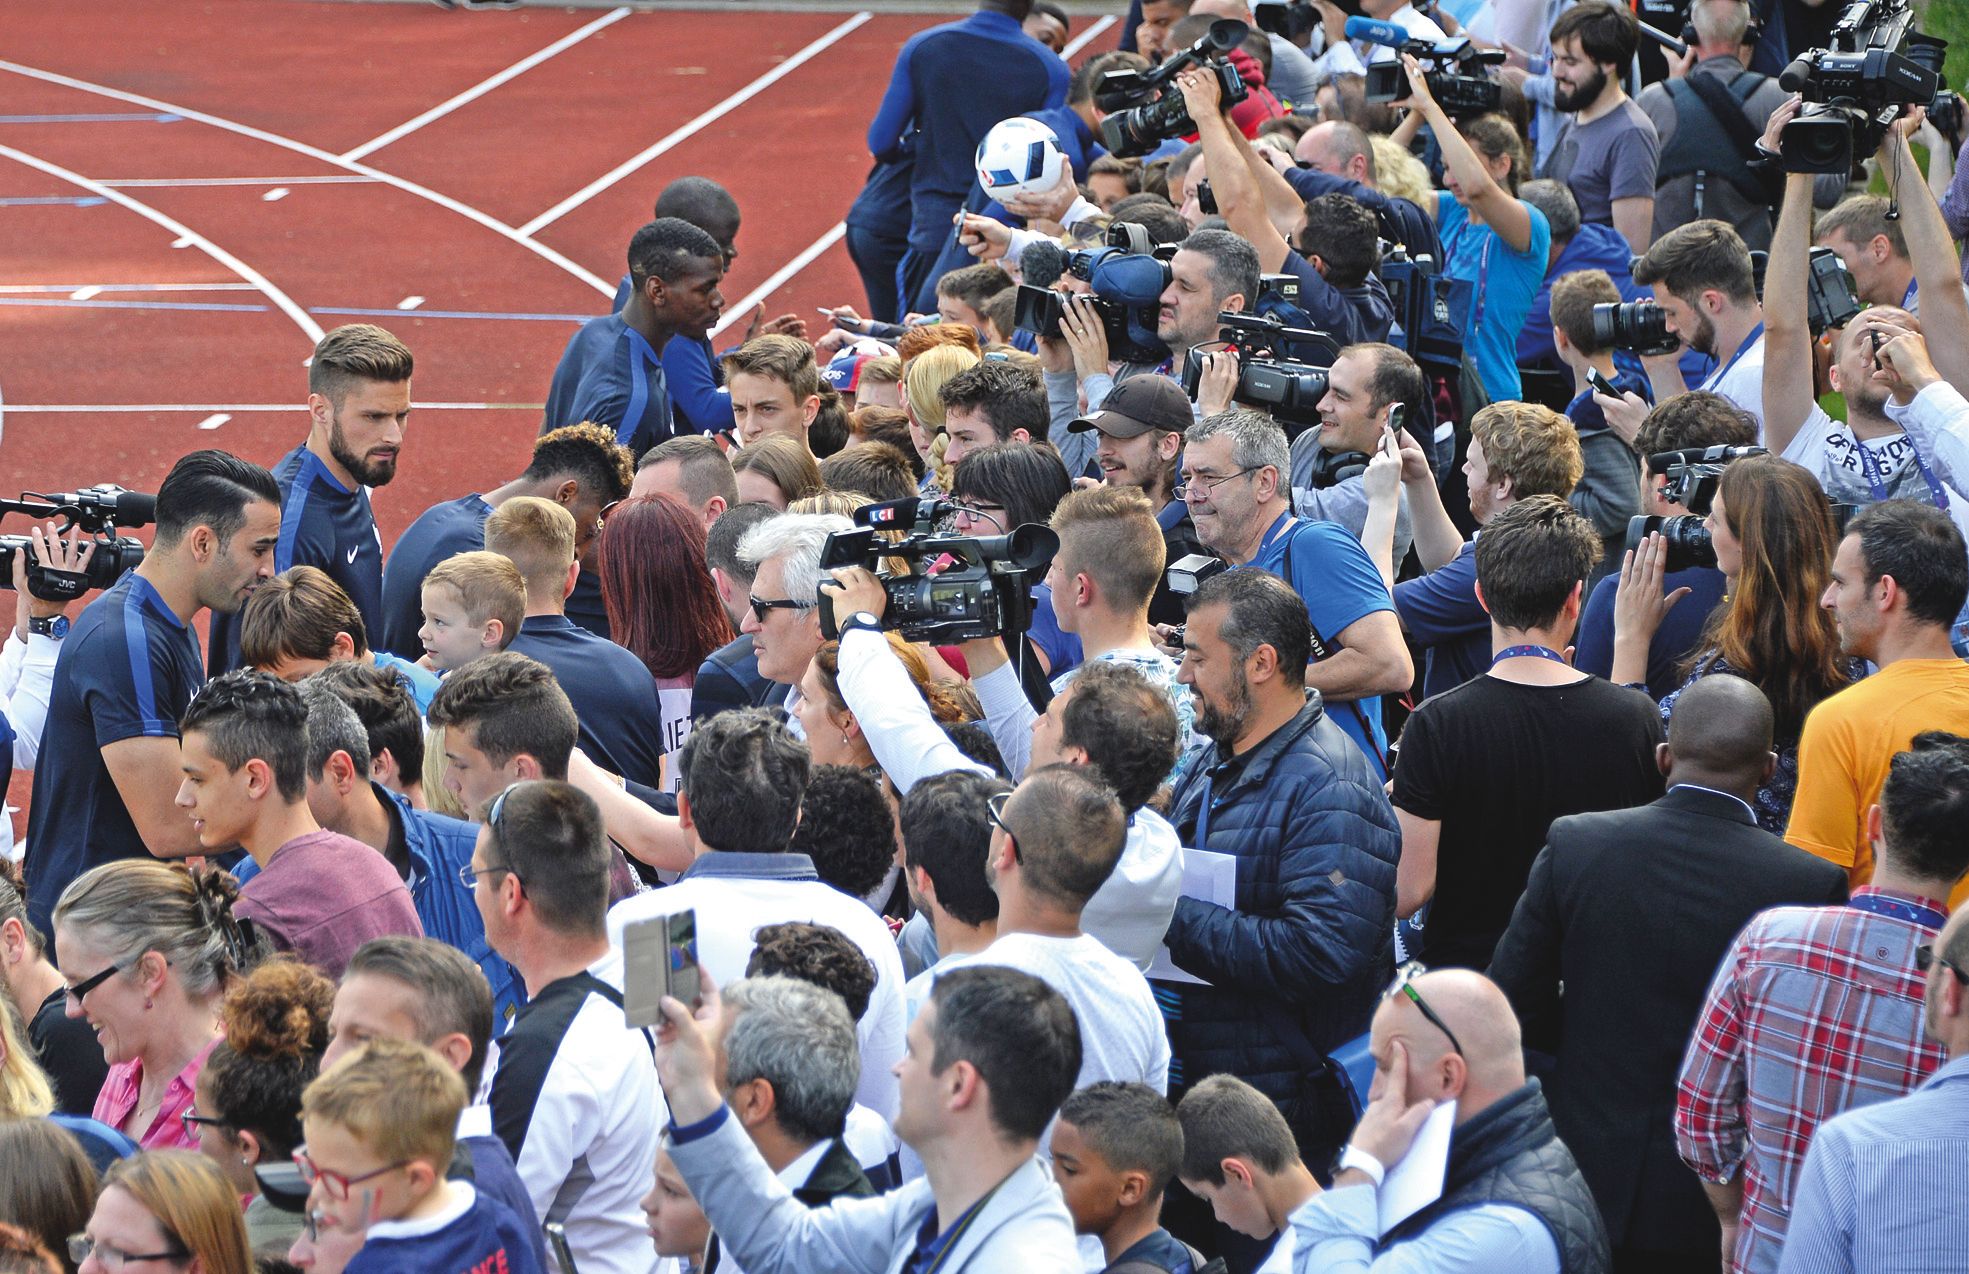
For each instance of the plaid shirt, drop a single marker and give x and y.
(1815, 1010)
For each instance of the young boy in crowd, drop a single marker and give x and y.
(380, 1127)
(1606, 494)
(1116, 1147)
(1240, 1157)
(473, 605)
(676, 1224)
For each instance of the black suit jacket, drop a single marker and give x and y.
(836, 1176)
(1632, 910)
(729, 678)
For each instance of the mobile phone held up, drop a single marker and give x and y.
(659, 958)
(1600, 383)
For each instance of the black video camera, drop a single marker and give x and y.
(1874, 65)
(1292, 19)
(1127, 281)
(1281, 370)
(1457, 73)
(962, 587)
(98, 510)
(1144, 108)
(1692, 478)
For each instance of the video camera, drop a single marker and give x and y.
(1692, 476)
(1128, 283)
(98, 510)
(1289, 18)
(1832, 300)
(963, 587)
(1874, 65)
(1144, 108)
(1281, 370)
(1456, 71)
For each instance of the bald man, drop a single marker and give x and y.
(1631, 910)
(1513, 1199)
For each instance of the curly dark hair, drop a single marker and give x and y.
(847, 829)
(817, 954)
(276, 1023)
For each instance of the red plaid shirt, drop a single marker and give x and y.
(1815, 1010)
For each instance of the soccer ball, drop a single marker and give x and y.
(1019, 156)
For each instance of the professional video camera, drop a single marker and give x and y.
(1431, 308)
(963, 586)
(1127, 284)
(1289, 18)
(1281, 370)
(1874, 64)
(1832, 300)
(1692, 478)
(1457, 71)
(1144, 108)
(98, 510)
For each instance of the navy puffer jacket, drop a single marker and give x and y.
(1310, 940)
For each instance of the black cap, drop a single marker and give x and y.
(1139, 404)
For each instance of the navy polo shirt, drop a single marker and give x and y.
(613, 694)
(1441, 611)
(323, 524)
(128, 670)
(441, 531)
(611, 375)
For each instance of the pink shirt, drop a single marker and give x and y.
(322, 895)
(119, 1098)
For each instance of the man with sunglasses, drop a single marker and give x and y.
(1872, 1194)
(1818, 1010)
(1512, 1197)
(784, 617)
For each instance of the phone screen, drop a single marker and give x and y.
(1601, 383)
(680, 966)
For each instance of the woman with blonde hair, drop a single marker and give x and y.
(923, 379)
(148, 950)
(776, 470)
(65, 1046)
(167, 1206)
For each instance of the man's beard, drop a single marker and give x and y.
(1703, 341)
(1574, 99)
(1225, 724)
(370, 473)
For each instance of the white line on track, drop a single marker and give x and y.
(779, 277)
(1087, 37)
(135, 182)
(465, 210)
(185, 234)
(209, 409)
(709, 117)
(11, 289)
(485, 86)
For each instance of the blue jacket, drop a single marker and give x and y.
(1595, 247)
(1308, 944)
(439, 846)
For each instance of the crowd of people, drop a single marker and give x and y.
(1499, 808)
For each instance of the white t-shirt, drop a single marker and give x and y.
(1831, 452)
(1741, 380)
(1121, 1031)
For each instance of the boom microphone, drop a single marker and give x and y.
(1377, 32)
(1042, 263)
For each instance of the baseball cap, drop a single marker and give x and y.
(844, 373)
(1139, 404)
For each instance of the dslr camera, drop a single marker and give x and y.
(1692, 477)
(959, 587)
(1144, 108)
(1831, 300)
(98, 510)
(1127, 282)
(1281, 370)
(1874, 64)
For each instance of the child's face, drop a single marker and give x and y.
(449, 635)
(338, 1158)
(1092, 1188)
(676, 1224)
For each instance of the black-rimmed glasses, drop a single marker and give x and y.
(760, 606)
(1925, 959)
(111, 1257)
(88, 984)
(189, 1120)
(468, 875)
(1208, 483)
(1404, 984)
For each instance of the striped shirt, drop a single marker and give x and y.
(1814, 1011)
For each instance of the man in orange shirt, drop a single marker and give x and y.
(1898, 582)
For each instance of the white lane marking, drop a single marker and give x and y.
(214, 420)
(779, 277)
(1087, 37)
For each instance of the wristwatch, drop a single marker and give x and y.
(1360, 1161)
(55, 626)
(861, 619)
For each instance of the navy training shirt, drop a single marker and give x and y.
(127, 670)
(441, 531)
(611, 375)
(323, 524)
(613, 694)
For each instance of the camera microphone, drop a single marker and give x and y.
(1042, 263)
(1796, 76)
(1375, 32)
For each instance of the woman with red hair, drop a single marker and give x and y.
(662, 606)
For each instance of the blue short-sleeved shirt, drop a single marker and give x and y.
(1330, 570)
(613, 694)
(1442, 613)
(699, 401)
(322, 524)
(609, 374)
(1062, 648)
(441, 531)
(128, 670)
(421, 682)
(1505, 281)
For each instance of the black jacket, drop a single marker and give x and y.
(1632, 910)
(729, 678)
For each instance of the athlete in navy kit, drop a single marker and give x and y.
(358, 400)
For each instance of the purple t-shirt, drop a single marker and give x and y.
(323, 895)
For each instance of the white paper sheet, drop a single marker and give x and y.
(1208, 877)
(1417, 1181)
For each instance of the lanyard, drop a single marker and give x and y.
(1514, 652)
(1483, 281)
(1203, 814)
(1871, 468)
(1716, 377)
(1898, 908)
(950, 1238)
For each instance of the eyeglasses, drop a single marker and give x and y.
(995, 810)
(190, 1120)
(760, 606)
(468, 875)
(1208, 483)
(992, 513)
(1925, 958)
(111, 1257)
(335, 1183)
(1405, 985)
(88, 984)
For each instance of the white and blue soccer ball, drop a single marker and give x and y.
(1019, 156)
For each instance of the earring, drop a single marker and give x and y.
(147, 1004)
(844, 736)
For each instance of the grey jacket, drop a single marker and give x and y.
(1023, 1226)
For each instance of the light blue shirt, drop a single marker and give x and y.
(1898, 1165)
(1505, 280)
(1334, 1232)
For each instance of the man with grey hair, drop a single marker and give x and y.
(425, 847)
(1235, 482)
(783, 615)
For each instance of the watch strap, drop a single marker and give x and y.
(55, 626)
(1361, 1161)
(861, 619)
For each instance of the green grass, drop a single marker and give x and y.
(1948, 20)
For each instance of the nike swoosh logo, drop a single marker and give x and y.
(352, 555)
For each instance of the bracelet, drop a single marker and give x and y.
(1362, 1162)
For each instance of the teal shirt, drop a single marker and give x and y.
(1506, 281)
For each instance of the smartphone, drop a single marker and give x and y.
(1873, 334)
(557, 1239)
(645, 971)
(1600, 383)
(680, 963)
(1397, 418)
